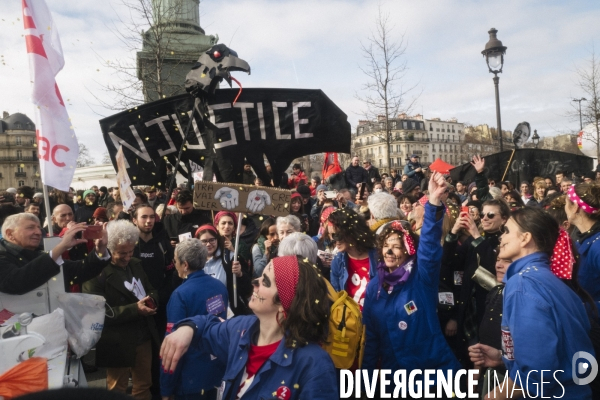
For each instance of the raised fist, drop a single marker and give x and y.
(228, 197)
(257, 201)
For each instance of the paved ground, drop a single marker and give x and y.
(95, 379)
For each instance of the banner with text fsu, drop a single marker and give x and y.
(525, 165)
(281, 124)
(57, 145)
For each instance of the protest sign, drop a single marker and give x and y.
(277, 124)
(241, 198)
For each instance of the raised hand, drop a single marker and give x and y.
(257, 201)
(228, 197)
(479, 163)
(437, 187)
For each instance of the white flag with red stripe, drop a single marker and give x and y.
(57, 145)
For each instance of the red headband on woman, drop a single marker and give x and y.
(222, 214)
(287, 272)
(562, 261)
(206, 227)
(409, 244)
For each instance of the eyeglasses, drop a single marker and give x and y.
(207, 241)
(489, 215)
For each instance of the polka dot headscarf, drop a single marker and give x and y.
(562, 260)
(287, 272)
(582, 204)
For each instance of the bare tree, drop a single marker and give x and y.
(160, 54)
(385, 92)
(84, 159)
(106, 158)
(588, 80)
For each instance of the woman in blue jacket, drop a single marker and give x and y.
(545, 326)
(199, 294)
(274, 353)
(583, 211)
(402, 327)
(354, 265)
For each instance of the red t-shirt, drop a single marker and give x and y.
(358, 277)
(257, 355)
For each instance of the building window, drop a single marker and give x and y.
(393, 124)
(431, 126)
(437, 130)
(380, 163)
(20, 169)
(36, 184)
(21, 183)
(18, 139)
(19, 155)
(399, 161)
(361, 130)
(34, 154)
(405, 124)
(379, 150)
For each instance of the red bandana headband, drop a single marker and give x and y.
(287, 272)
(207, 227)
(562, 261)
(409, 244)
(222, 214)
(582, 204)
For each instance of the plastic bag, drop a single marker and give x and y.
(27, 377)
(84, 320)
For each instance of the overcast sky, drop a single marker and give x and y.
(316, 45)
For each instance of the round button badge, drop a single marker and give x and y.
(402, 325)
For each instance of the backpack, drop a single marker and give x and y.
(346, 338)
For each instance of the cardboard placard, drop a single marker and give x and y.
(241, 198)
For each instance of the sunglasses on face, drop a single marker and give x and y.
(489, 215)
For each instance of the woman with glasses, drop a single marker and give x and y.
(356, 261)
(401, 302)
(583, 211)
(477, 250)
(544, 322)
(220, 265)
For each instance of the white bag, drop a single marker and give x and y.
(84, 320)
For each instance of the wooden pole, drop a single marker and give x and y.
(235, 256)
(508, 166)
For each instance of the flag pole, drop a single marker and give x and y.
(48, 211)
(235, 257)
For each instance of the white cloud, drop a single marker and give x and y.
(316, 44)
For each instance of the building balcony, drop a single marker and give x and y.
(20, 174)
(14, 158)
(14, 143)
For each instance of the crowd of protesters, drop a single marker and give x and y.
(503, 277)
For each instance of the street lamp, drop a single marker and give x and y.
(535, 138)
(580, 120)
(494, 57)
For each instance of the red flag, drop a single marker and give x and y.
(331, 166)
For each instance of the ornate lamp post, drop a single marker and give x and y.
(535, 138)
(494, 57)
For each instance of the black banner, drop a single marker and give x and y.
(525, 165)
(282, 124)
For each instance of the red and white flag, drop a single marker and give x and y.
(57, 145)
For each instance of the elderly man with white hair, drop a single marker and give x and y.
(384, 209)
(300, 244)
(23, 267)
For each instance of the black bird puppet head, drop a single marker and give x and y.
(211, 68)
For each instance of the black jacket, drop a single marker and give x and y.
(85, 214)
(176, 224)
(23, 270)
(356, 175)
